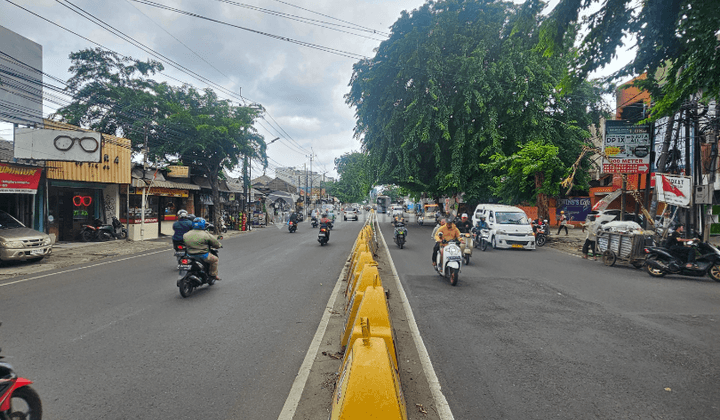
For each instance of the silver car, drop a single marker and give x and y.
(19, 243)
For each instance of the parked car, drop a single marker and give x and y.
(606, 216)
(509, 226)
(20, 243)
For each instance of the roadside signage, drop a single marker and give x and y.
(675, 190)
(18, 179)
(627, 147)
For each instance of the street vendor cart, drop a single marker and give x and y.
(624, 246)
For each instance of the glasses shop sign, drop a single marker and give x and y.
(72, 146)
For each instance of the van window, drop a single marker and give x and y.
(491, 218)
(512, 218)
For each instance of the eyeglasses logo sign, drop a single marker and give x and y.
(65, 143)
(82, 200)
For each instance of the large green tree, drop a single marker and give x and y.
(354, 181)
(678, 44)
(458, 82)
(115, 95)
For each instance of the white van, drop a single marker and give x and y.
(509, 226)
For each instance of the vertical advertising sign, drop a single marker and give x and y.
(627, 146)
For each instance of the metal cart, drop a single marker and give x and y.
(623, 246)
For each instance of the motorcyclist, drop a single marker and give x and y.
(464, 225)
(676, 244)
(199, 241)
(325, 221)
(482, 224)
(440, 224)
(181, 226)
(294, 217)
(449, 232)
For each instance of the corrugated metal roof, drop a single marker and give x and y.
(139, 183)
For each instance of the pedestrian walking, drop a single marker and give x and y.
(563, 223)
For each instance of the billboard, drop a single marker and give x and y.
(18, 179)
(73, 146)
(674, 190)
(21, 87)
(627, 147)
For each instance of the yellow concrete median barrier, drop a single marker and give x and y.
(374, 307)
(369, 277)
(355, 269)
(361, 247)
(369, 386)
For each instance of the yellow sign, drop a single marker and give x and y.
(612, 150)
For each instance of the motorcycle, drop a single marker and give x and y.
(466, 246)
(660, 261)
(17, 399)
(292, 226)
(194, 272)
(97, 231)
(448, 261)
(541, 232)
(324, 235)
(314, 222)
(482, 238)
(400, 234)
(180, 251)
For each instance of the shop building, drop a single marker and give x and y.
(165, 196)
(22, 188)
(80, 192)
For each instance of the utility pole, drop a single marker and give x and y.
(144, 193)
(311, 156)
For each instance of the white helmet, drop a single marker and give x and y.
(182, 214)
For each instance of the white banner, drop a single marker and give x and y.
(674, 190)
(72, 146)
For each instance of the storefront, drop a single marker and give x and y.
(72, 205)
(162, 204)
(21, 193)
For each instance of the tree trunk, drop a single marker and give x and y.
(543, 205)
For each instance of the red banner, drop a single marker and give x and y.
(18, 179)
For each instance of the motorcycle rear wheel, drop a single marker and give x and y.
(654, 272)
(453, 276)
(540, 240)
(483, 245)
(86, 236)
(186, 288)
(466, 259)
(30, 408)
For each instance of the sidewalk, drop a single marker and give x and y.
(571, 243)
(66, 254)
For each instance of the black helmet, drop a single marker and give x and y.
(450, 220)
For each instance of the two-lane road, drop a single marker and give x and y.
(546, 335)
(116, 341)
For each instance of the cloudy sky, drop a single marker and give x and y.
(302, 87)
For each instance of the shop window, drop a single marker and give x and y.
(151, 211)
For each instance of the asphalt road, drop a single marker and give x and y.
(546, 335)
(116, 340)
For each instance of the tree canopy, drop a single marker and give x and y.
(678, 45)
(354, 183)
(458, 82)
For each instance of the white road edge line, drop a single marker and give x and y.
(82, 268)
(293, 399)
(441, 403)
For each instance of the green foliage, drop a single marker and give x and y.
(458, 82)
(355, 182)
(518, 182)
(677, 40)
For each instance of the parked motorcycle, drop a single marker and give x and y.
(292, 226)
(97, 231)
(448, 261)
(323, 234)
(541, 232)
(194, 272)
(400, 234)
(466, 246)
(660, 261)
(17, 399)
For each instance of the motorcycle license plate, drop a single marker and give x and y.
(517, 246)
(184, 267)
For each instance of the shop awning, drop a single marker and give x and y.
(139, 183)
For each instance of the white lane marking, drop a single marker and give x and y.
(109, 324)
(440, 402)
(82, 268)
(293, 399)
